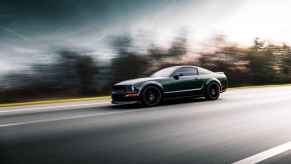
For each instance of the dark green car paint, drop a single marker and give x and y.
(194, 85)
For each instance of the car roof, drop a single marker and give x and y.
(181, 66)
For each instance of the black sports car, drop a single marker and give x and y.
(171, 82)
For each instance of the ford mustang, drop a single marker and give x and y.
(171, 82)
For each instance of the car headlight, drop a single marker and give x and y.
(133, 88)
(132, 91)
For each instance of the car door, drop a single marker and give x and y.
(185, 81)
(188, 78)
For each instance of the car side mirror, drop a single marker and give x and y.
(177, 76)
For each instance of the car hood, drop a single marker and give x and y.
(140, 80)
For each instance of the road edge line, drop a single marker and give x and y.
(265, 154)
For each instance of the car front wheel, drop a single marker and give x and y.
(151, 96)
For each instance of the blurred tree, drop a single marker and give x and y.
(122, 44)
(127, 64)
(286, 63)
(128, 67)
(72, 74)
(156, 53)
(179, 45)
(75, 70)
(258, 44)
(261, 63)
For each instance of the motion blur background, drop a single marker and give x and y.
(72, 48)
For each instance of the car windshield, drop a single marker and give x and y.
(166, 72)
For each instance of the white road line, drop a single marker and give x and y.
(62, 118)
(266, 154)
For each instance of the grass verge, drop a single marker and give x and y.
(54, 101)
(260, 86)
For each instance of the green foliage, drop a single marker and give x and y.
(263, 63)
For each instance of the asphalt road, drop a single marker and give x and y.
(242, 123)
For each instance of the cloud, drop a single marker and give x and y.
(43, 25)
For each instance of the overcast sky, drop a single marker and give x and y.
(31, 29)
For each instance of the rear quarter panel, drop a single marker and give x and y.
(220, 78)
(223, 80)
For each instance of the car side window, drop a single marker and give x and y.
(187, 71)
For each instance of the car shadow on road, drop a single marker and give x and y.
(165, 103)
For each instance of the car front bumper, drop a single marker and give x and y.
(124, 102)
(123, 99)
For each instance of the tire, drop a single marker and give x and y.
(212, 92)
(151, 96)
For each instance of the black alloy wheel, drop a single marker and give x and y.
(212, 92)
(151, 96)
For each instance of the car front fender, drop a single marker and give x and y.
(148, 83)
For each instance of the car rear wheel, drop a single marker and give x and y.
(212, 92)
(151, 96)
